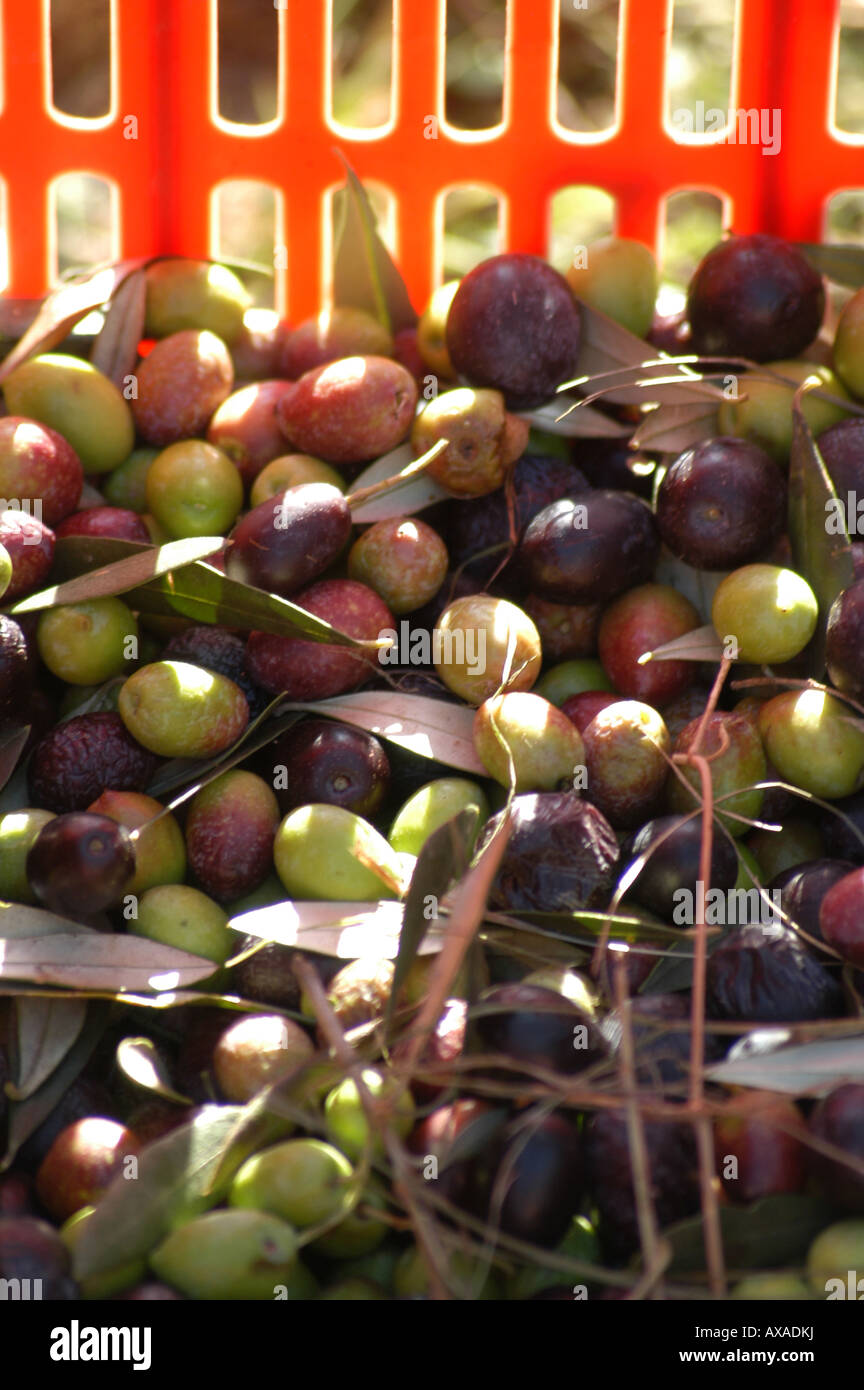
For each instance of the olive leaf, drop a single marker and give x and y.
(20, 921)
(558, 417)
(139, 1059)
(444, 857)
(45, 1030)
(11, 748)
(404, 499)
(699, 586)
(205, 595)
(101, 960)
(842, 262)
(192, 774)
(115, 349)
(67, 305)
(607, 344)
(670, 429)
(346, 930)
(772, 1232)
(817, 528)
(566, 926)
(700, 644)
(119, 576)
(201, 593)
(674, 970)
(810, 1068)
(430, 728)
(364, 273)
(172, 1186)
(663, 380)
(25, 1116)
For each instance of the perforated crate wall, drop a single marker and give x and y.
(164, 66)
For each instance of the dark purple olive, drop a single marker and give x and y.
(673, 1165)
(544, 1181)
(538, 1026)
(844, 641)
(721, 504)
(472, 526)
(838, 1120)
(291, 539)
(33, 1255)
(754, 296)
(842, 450)
(761, 975)
(561, 856)
(841, 840)
(80, 863)
(663, 1052)
(673, 845)
(803, 887)
(466, 1126)
(514, 325)
(590, 547)
(322, 761)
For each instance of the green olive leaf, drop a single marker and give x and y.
(842, 262)
(364, 273)
(19, 921)
(205, 595)
(444, 858)
(817, 528)
(345, 930)
(192, 774)
(559, 418)
(25, 1116)
(809, 1068)
(45, 1030)
(403, 498)
(103, 960)
(670, 429)
(119, 576)
(770, 1233)
(700, 644)
(174, 1174)
(11, 748)
(199, 592)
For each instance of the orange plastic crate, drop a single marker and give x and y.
(164, 64)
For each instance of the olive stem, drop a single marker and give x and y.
(365, 494)
(641, 1164)
(702, 1124)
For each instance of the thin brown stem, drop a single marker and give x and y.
(645, 1213)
